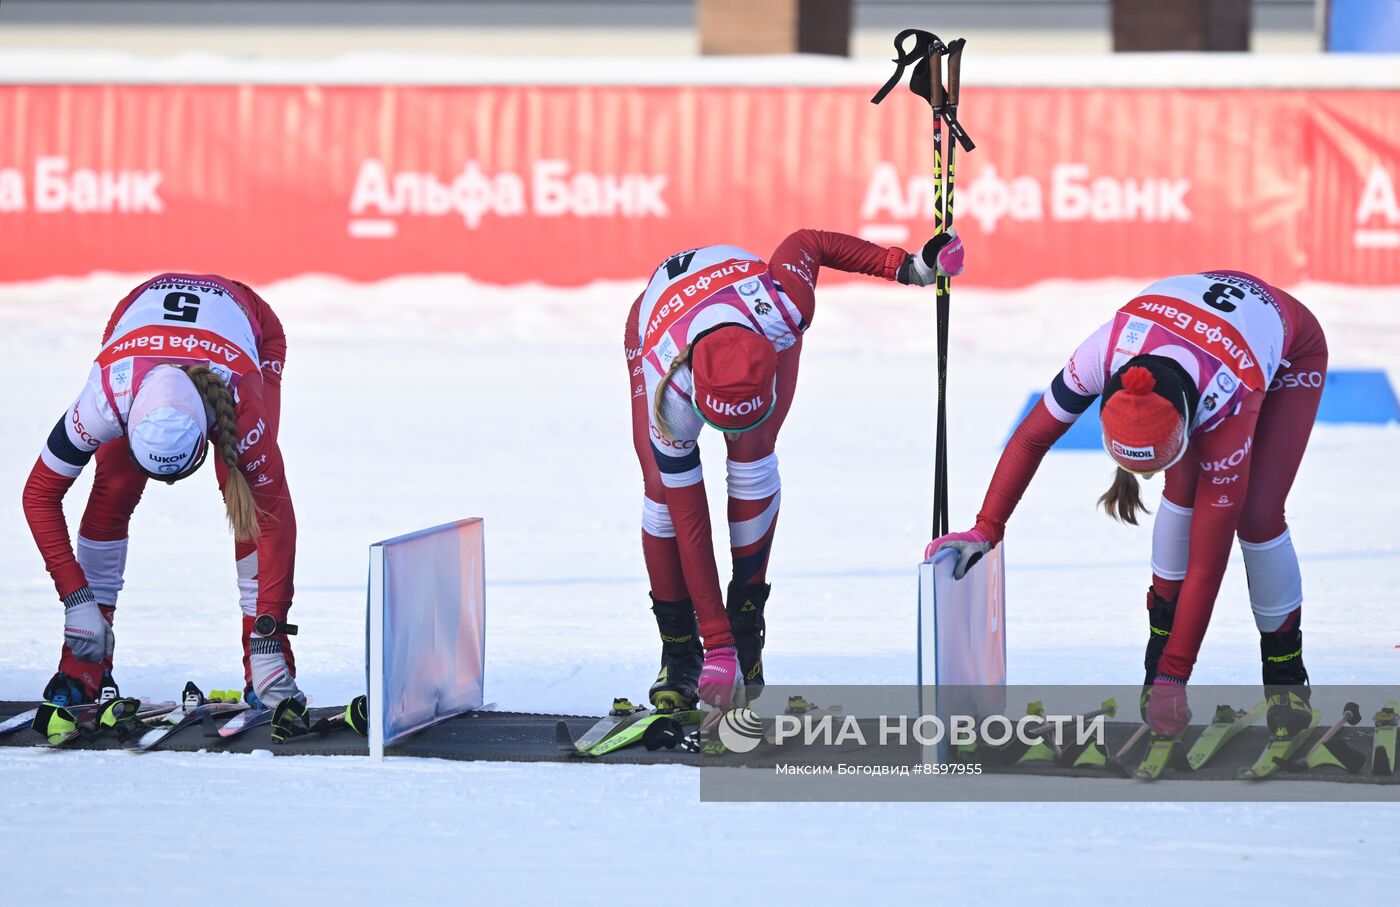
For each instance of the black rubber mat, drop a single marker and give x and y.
(525, 737)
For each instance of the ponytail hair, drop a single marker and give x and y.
(238, 497)
(658, 415)
(1123, 500)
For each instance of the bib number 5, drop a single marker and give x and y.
(181, 307)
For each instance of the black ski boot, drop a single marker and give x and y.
(64, 691)
(744, 605)
(1285, 681)
(1161, 613)
(681, 656)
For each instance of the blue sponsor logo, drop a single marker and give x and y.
(748, 288)
(1225, 383)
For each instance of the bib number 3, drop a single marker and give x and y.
(1222, 297)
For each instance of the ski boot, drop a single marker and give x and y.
(64, 691)
(681, 656)
(744, 605)
(290, 719)
(357, 715)
(1285, 681)
(1161, 613)
(57, 718)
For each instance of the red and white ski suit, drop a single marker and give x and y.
(187, 320)
(690, 293)
(1259, 361)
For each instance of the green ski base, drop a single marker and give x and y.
(1384, 745)
(1162, 753)
(632, 726)
(1279, 751)
(621, 714)
(1228, 724)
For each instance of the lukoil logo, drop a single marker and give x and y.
(1378, 201)
(551, 190)
(723, 407)
(1133, 453)
(1073, 195)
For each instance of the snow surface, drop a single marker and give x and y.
(419, 400)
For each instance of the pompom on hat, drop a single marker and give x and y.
(1145, 415)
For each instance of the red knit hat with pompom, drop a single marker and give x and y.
(1143, 430)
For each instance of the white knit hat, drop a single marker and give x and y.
(168, 426)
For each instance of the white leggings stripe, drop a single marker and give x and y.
(746, 532)
(1275, 582)
(656, 520)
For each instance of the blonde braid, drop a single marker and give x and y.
(238, 497)
(682, 358)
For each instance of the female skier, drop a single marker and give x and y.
(186, 360)
(715, 339)
(1216, 379)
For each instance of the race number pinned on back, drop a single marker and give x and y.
(678, 264)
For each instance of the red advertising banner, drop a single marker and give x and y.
(570, 184)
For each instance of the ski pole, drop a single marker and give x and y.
(1107, 709)
(941, 212)
(927, 82)
(1116, 762)
(1348, 758)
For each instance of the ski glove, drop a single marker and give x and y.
(272, 680)
(86, 632)
(942, 256)
(969, 545)
(1167, 710)
(720, 678)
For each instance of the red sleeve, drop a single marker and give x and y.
(260, 460)
(43, 509)
(798, 261)
(690, 514)
(1032, 439)
(1220, 495)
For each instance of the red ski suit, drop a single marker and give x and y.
(692, 292)
(205, 320)
(1260, 385)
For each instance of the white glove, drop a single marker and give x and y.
(941, 256)
(272, 680)
(969, 545)
(85, 630)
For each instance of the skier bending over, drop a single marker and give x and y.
(715, 339)
(1215, 378)
(186, 360)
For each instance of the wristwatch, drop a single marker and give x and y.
(267, 625)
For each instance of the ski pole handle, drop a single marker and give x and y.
(955, 49)
(1132, 742)
(1351, 714)
(935, 71)
(1107, 710)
